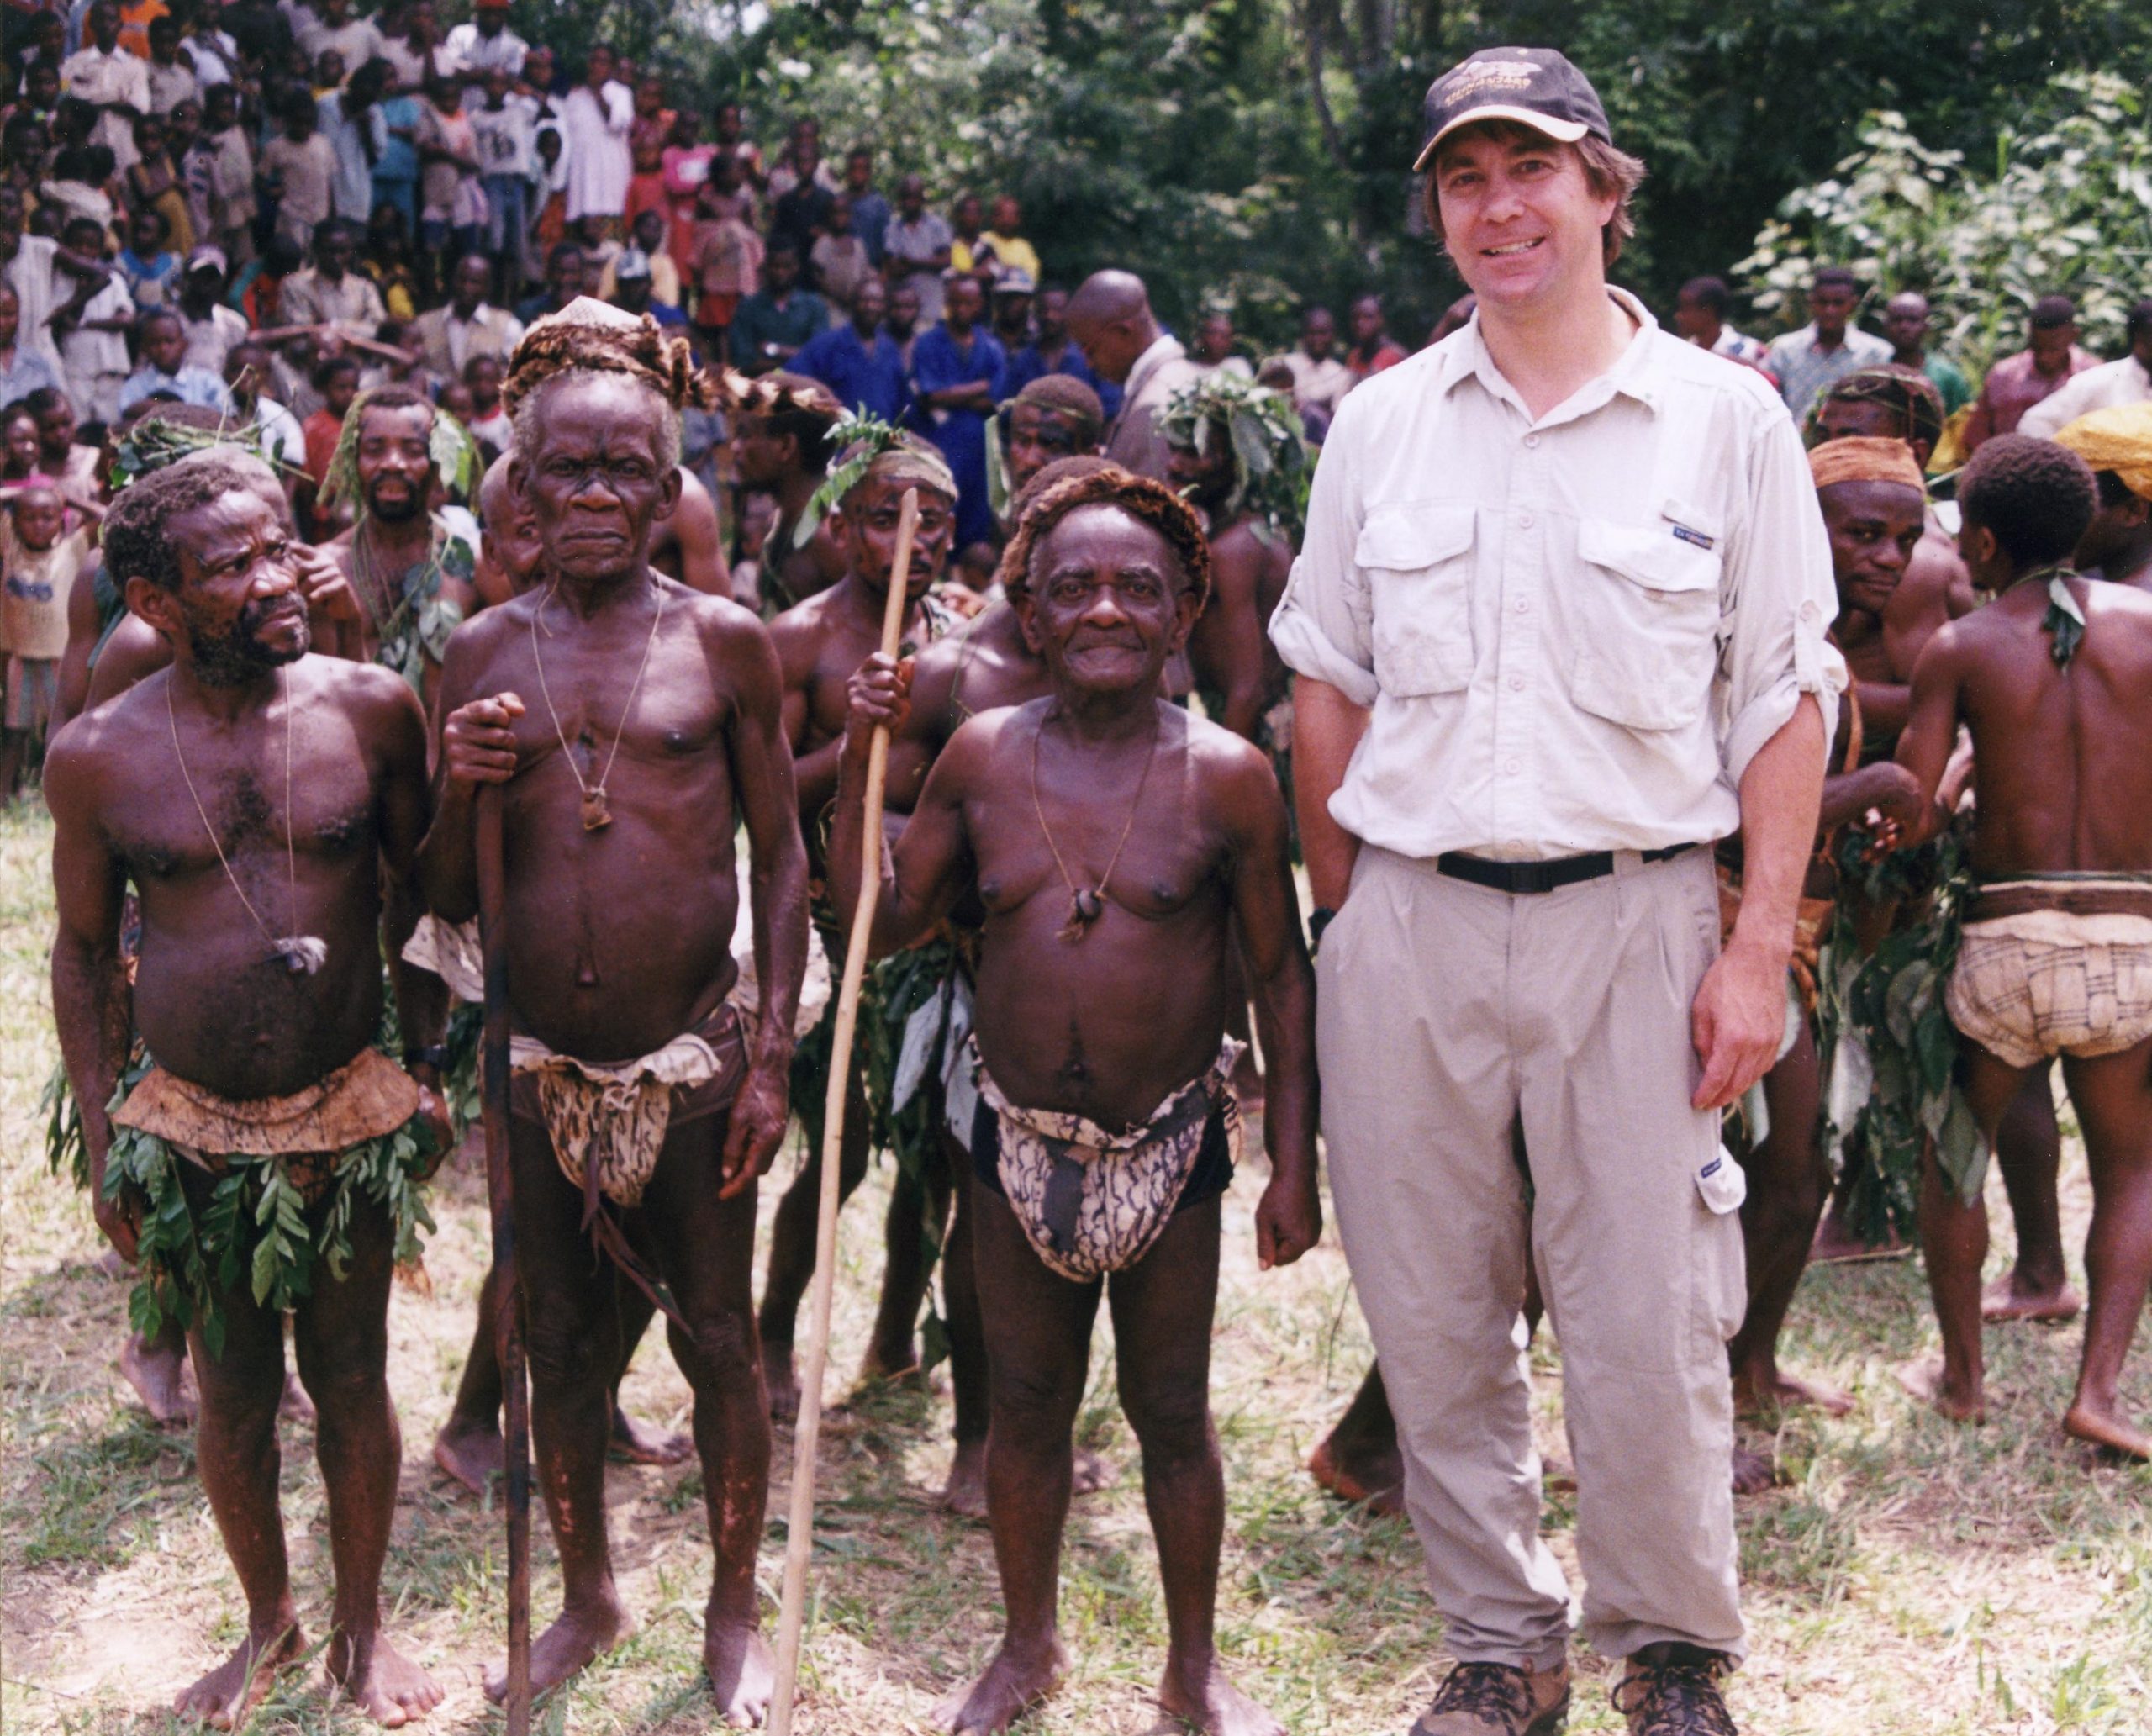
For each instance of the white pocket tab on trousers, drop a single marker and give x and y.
(1723, 1184)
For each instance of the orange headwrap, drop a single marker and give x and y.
(1865, 460)
(2117, 439)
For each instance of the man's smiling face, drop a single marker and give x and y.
(1519, 216)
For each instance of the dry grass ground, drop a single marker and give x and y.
(1912, 1578)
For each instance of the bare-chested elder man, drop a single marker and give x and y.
(819, 643)
(209, 786)
(633, 724)
(2054, 678)
(1116, 842)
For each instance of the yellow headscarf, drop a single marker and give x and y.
(2119, 439)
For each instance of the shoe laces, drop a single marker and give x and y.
(1497, 1693)
(1677, 1700)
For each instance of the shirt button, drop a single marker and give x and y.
(1808, 611)
(1512, 767)
(1516, 684)
(1523, 606)
(1524, 521)
(1531, 439)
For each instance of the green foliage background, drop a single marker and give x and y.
(1257, 150)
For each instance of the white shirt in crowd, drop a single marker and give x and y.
(507, 135)
(594, 148)
(40, 286)
(2105, 387)
(98, 78)
(1575, 631)
(473, 51)
(95, 363)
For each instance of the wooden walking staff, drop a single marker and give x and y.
(799, 1529)
(500, 1195)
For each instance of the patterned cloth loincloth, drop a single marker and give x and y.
(284, 1175)
(1092, 1200)
(2049, 966)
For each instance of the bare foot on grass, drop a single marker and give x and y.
(1378, 1483)
(2107, 1430)
(1205, 1700)
(565, 1647)
(742, 1675)
(898, 1360)
(1924, 1378)
(2011, 1298)
(1837, 1244)
(1091, 1473)
(380, 1681)
(636, 1443)
(965, 1492)
(471, 1453)
(1759, 1395)
(295, 1406)
(1013, 1683)
(1753, 1472)
(161, 1380)
(223, 1698)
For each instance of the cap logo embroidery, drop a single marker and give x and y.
(1475, 75)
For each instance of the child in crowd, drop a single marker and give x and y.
(150, 268)
(40, 561)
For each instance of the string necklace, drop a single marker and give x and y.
(2063, 621)
(1086, 903)
(596, 816)
(301, 954)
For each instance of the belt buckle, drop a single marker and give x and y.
(1532, 877)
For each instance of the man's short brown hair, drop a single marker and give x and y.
(1608, 173)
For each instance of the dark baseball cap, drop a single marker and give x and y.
(1536, 87)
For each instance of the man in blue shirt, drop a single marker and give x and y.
(860, 363)
(161, 341)
(773, 323)
(1055, 352)
(957, 376)
(870, 211)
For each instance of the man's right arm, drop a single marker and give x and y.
(1326, 727)
(93, 1003)
(1931, 732)
(475, 744)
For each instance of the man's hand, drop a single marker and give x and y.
(1737, 1021)
(1288, 1218)
(121, 1221)
(757, 1128)
(322, 584)
(879, 695)
(433, 1111)
(478, 741)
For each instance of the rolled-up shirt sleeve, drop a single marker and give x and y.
(1322, 625)
(1779, 602)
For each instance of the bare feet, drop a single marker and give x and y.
(471, 1452)
(295, 1406)
(780, 1381)
(742, 1675)
(1835, 1244)
(572, 1642)
(896, 1360)
(1752, 1472)
(1204, 1699)
(1924, 1378)
(1014, 1682)
(2013, 1297)
(227, 1693)
(965, 1492)
(2106, 1430)
(640, 1444)
(1758, 1394)
(160, 1379)
(1377, 1483)
(381, 1682)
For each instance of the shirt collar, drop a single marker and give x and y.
(1161, 347)
(1467, 357)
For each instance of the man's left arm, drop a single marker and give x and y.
(406, 809)
(1781, 673)
(777, 880)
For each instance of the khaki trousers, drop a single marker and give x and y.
(1447, 1016)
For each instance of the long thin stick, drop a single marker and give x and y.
(500, 1195)
(799, 1530)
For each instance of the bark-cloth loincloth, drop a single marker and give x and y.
(1093, 1200)
(2051, 965)
(285, 1173)
(608, 1120)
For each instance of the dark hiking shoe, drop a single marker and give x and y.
(1674, 1699)
(1498, 1699)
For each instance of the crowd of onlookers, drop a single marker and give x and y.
(263, 207)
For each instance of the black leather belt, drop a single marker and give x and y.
(1527, 877)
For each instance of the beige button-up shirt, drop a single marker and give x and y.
(1576, 631)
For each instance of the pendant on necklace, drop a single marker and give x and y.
(1084, 909)
(301, 954)
(596, 816)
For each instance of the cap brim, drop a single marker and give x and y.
(1564, 132)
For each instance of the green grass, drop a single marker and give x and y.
(1911, 1578)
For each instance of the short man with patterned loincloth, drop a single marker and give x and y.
(2054, 678)
(411, 570)
(632, 725)
(261, 1155)
(1117, 843)
(819, 643)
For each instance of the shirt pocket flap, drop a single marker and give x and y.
(1405, 539)
(1654, 557)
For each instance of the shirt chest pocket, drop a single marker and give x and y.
(1645, 625)
(1418, 559)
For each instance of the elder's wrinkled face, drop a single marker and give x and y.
(866, 529)
(1106, 602)
(599, 482)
